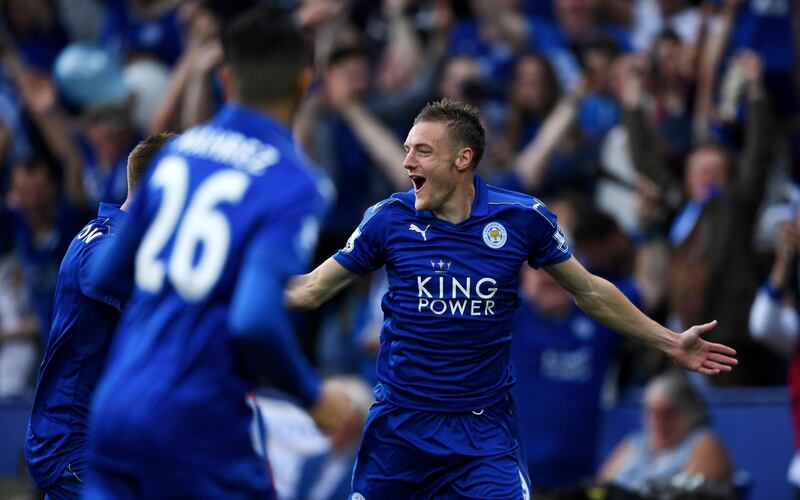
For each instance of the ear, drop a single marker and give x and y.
(304, 79)
(228, 84)
(464, 159)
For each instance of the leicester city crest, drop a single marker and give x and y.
(494, 235)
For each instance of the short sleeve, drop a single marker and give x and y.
(112, 269)
(293, 226)
(89, 254)
(365, 250)
(97, 239)
(547, 244)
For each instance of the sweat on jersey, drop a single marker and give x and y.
(84, 319)
(226, 200)
(452, 293)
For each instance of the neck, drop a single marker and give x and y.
(458, 206)
(282, 111)
(126, 204)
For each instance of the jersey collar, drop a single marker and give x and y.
(480, 206)
(252, 123)
(109, 210)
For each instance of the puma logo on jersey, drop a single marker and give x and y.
(414, 227)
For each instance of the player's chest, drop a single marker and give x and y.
(489, 248)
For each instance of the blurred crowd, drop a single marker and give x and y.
(663, 133)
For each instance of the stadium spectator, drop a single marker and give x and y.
(333, 144)
(652, 17)
(675, 441)
(712, 270)
(561, 358)
(136, 28)
(532, 94)
(19, 329)
(35, 30)
(91, 79)
(190, 96)
(43, 223)
(84, 320)
(327, 475)
(559, 156)
(578, 22)
(774, 321)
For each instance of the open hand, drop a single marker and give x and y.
(696, 354)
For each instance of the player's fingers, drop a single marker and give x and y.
(721, 358)
(707, 371)
(722, 349)
(716, 366)
(706, 327)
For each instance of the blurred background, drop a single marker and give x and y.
(664, 133)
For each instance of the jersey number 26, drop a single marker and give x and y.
(201, 223)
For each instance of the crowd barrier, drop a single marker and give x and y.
(754, 424)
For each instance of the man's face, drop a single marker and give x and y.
(457, 72)
(530, 88)
(575, 15)
(430, 162)
(356, 71)
(33, 190)
(707, 170)
(666, 424)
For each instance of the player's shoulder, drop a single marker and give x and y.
(504, 200)
(108, 221)
(386, 208)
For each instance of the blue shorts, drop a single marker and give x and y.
(68, 487)
(172, 481)
(413, 454)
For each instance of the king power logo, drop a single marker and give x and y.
(447, 294)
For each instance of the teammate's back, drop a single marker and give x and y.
(227, 213)
(197, 218)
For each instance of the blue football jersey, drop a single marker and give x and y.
(452, 293)
(173, 393)
(84, 319)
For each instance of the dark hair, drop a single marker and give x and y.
(339, 54)
(711, 145)
(669, 35)
(463, 123)
(41, 162)
(517, 117)
(266, 53)
(594, 225)
(139, 159)
(602, 44)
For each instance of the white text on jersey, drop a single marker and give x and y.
(434, 295)
(232, 148)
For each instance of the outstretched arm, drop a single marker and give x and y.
(309, 291)
(604, 302)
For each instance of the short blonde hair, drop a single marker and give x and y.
(141, 156)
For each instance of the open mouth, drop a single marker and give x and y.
(418, 181)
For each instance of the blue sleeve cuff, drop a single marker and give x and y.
(350, 264)
(775, 294)
(310, 393)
